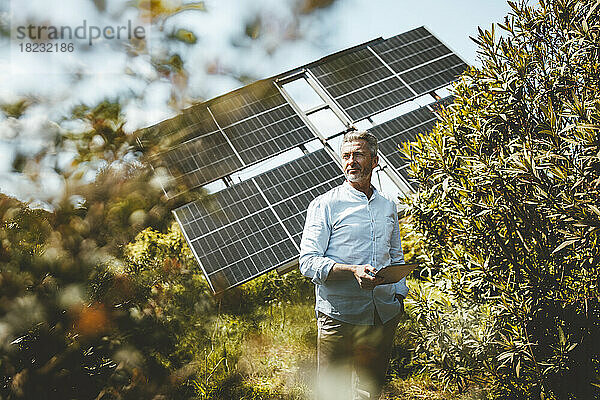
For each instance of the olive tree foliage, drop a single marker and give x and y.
(509, 202)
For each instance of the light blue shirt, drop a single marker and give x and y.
(343, 226)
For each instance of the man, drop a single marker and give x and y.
(350, 233)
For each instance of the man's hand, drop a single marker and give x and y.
(365, 276)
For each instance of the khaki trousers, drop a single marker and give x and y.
(344, 349)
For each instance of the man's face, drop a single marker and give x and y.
(357, 161)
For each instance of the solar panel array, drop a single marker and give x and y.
(254, 226)
(388, 73)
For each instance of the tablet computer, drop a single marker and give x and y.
(394, 272)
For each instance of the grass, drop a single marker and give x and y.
(421, 387)
(271, 354)
(280, 355)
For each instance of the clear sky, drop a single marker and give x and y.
(221, 42)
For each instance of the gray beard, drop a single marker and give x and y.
(357, 177)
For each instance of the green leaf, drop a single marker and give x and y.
(594, 209)
(563, 245)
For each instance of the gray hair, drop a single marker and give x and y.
(367, 136)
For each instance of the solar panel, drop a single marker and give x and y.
(420, 59)
(194, 121)
(198, 161)
(255, 123)
(434, 75)
(407, 50)
(388, 73)
(267, 134)
(238, 235)
(404, 128)
(359, 75)
(245, 102)
(291, 187)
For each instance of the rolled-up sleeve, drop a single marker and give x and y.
(314, 243)
(397, 256)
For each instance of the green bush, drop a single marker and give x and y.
(455, 339)
(75, 320)
(509, 204)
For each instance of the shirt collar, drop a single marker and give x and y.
(358, 193)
